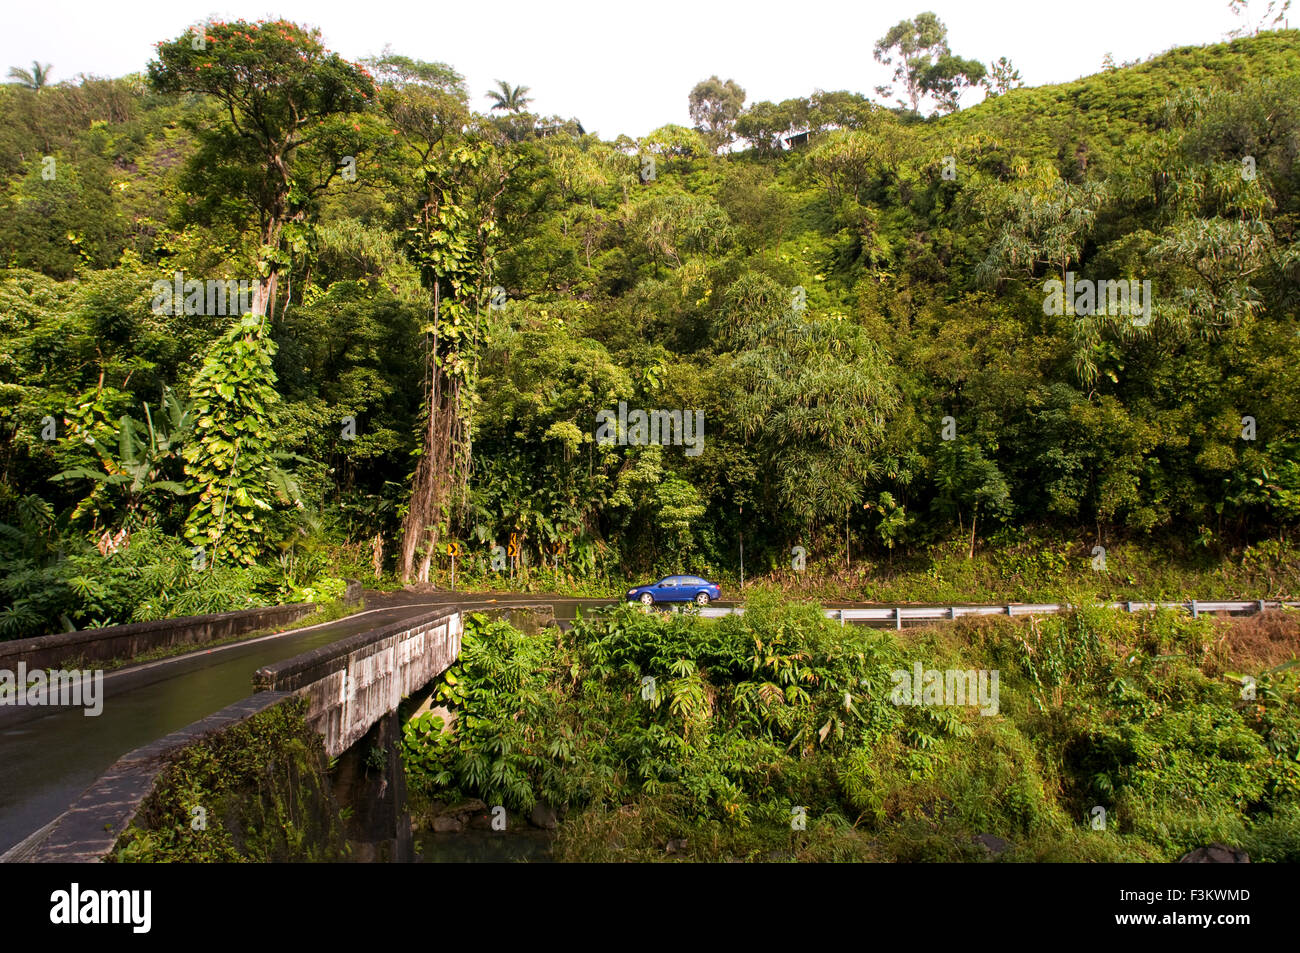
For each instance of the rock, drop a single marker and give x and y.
(1215, 854)
(463, 809)
(994, 845)
(676, 846)
(543, 816)
(447, 824)
(482, 821)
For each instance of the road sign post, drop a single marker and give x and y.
(453, 550)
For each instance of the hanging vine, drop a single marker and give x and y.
(453, 241)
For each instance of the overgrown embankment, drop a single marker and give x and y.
(258, 791)
(776, 735)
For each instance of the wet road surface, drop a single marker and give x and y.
(49, 756)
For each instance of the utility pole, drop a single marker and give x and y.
(742, 546)
(847, 509)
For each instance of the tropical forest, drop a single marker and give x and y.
(274, 321)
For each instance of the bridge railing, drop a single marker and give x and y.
(352, 683)
(900, 614)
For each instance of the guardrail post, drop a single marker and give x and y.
(1130, 606)
(1008, 610)
(952, 612)
(841, 617)
(898, 618)
(1196, 613)
(1261, 605)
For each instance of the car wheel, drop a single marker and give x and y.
(647, 599)
(701, 598)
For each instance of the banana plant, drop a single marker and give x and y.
(130, 483)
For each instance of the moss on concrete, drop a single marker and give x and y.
(258, 791)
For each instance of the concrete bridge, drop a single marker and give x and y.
(353, 689)
(354, 684)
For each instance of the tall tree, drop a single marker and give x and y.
(1003, 77)
(458, 181)
(36, 78)
(926, 65)
(765, 124)
(283, 95)
(507, 98)
(454, 242)
(714, 107)
(948, 77)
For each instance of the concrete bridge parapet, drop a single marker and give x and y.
(352, 684)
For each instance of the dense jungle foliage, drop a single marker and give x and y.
(776, 736)
(443, 300)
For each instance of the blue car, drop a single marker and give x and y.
(676, 589)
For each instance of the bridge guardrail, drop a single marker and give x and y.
(899, 614)
(352, 683)
(133, 638)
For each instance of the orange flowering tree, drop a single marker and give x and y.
(288, 118)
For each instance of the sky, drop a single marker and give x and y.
(627, 67)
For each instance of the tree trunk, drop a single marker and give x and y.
(419, 515)
(264, 295)
(439, 467)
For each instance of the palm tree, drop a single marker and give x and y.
(510, 98)
(38, 77)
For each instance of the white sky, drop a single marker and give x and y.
(626, 66)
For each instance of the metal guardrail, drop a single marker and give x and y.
(900, 614)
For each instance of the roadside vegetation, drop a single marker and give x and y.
(256, 792)
(759, 725)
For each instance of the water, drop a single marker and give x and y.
(485, 847)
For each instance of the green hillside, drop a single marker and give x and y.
(862, 325)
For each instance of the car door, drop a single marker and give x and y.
(666, 589)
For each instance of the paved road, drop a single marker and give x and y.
(49, 756)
